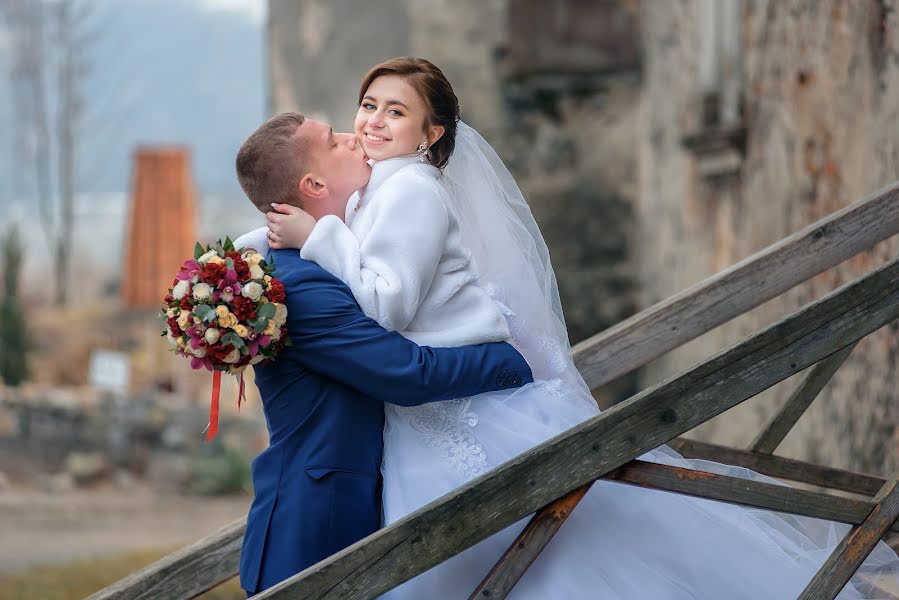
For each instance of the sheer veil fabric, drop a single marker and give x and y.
(621, 542)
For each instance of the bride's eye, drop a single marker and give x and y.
(368, 106)
(394, 112)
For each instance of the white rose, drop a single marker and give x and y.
(252, 290)
(212, 335)
(202, 291)
(252, 258)
(205, 258)
(232, 357)
(180, 289)
(199, 352)
(280, 314)
(172, 313)
(256, 272)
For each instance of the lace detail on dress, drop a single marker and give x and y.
(448, 428)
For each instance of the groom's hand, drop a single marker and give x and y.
(288, 226)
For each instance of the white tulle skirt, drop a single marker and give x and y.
(622, 542)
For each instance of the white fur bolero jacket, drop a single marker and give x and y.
(402, 256)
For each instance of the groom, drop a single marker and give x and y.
(317, 486)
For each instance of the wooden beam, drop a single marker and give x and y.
(777, 429)
(527, 547)
(186, 573)
(852, 550)
(743, 286)
(700, 484)
(584, 453)
(782, 468)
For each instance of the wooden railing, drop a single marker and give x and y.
(557, 473)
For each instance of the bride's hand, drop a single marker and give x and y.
(288, 226)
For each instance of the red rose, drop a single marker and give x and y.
(212, 273)
(240, 265)
(276, 291)
(173, 327)
(168, 298)
(218, 351)
(243, 308)
(186, 303)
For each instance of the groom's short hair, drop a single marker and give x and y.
(272, 161)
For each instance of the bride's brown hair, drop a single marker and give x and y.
(436, 92)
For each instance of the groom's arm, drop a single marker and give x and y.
(332, 336)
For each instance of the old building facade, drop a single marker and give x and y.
(806, 96)
(658, 142)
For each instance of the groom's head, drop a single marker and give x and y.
(298, 161)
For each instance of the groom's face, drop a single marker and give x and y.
(338, 161)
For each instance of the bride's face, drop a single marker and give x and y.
(390, 121)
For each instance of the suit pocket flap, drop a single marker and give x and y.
(320, 472)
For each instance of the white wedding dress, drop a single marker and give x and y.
(621, 542)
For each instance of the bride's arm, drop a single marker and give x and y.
(391, 269)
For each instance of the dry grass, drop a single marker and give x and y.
(76, 580)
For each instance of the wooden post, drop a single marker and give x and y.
(855, 547)
(778, 428)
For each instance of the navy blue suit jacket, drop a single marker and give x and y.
(317, 485)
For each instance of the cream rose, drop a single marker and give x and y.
(256, 272)
(221, 311)
(205, 258)
(215, 260)
(280, 314)
(228, 322)
(232, 356)
(252, 258)
(202, 291)
(252, 290)
(212, 335)
(241, 330)
(172, 312)
(199, 352)
(184, 319)
(180, 289)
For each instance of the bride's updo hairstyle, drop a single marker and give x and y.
(436, 92)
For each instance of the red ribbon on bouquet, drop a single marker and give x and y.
(213, 427)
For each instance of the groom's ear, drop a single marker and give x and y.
(312, 186)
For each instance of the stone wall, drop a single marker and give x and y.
(820, 86)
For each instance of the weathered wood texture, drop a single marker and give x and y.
(855, 547)
(782, 468)
(471, 513)
(527, 546)
(734, 490)
(780, 425)
(186, 573)
(745, 285)
(531, 541)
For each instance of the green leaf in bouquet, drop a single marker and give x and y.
(229, 245)
(233, 339)
(198, 251)
(218, 248)
(259, 324)
(267, 310)
(203, 310)
(229, 264)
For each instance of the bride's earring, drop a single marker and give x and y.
(423, 153)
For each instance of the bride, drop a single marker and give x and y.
(442, 247)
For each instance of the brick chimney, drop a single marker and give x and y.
(161, 230)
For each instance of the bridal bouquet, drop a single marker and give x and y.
(225, 311)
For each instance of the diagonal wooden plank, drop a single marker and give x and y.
(855, 547)
(471, 513)
(777, 429)
(527, 547)
(186, 573)
(673, 322)
(782, 468)
(700, 484)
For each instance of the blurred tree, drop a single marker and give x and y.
(49, 38)
(13, 330)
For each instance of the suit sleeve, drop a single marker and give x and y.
(391, 269)
(332, 337)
